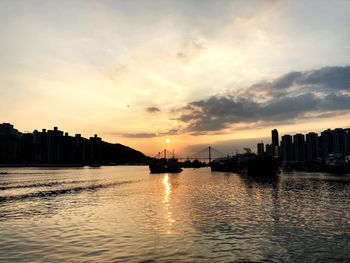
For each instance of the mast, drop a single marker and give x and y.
(209, 154)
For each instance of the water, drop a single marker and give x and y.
(124, 214)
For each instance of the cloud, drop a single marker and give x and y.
(192, 48)
(148, 135)
(152, 109)
(327, 79)
(291, 97)
(139, 135)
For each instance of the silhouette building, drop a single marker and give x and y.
(54, 147)
(340, 141)
(260, 148)
(275, 142)
(268, 149)
(95, 149)
(335, 142)
(299, 147)
(287, 149)
(331, 144)
(7, 129)
(311, 146)
(327, 143)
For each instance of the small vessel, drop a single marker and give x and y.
(3, 173)
(165, 166)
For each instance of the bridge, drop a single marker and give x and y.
(207, 154)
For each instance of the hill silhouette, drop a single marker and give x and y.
(54, 147)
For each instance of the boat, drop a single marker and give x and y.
(258, 166)
(228, 164)
(3, 173)
(247, 164)
(165, 166)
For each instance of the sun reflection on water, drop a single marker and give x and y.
(167, 189)
(166, 201)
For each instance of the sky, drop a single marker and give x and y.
(221, 73)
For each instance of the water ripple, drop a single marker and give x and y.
(124, 214)
(50, 193)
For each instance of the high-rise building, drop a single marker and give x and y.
(299, 147)
(340, 141)
(287, 149)
(311, 146)
(335, 142)
(55, 140)
(327, 143)
(80, 149)
(95, 149)
(275, 142)
(347, 132)
(260, 147)
(268, 149)
(274, 134)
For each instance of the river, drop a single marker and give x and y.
(125, 214)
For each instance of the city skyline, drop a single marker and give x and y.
(221, 73)
(272, 145)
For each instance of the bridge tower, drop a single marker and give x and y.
(209, 154)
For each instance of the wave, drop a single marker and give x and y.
(10, 186)
(53, 193)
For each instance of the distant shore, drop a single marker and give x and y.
(67, 165)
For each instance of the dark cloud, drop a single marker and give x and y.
(148, 135)
(152, 109)
(288, 107)
(322, 92)
(139, 135)
(216, 113)
(327, 79)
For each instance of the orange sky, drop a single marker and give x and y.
(138, 73)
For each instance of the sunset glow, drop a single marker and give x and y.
(174, 131)
(135, 76)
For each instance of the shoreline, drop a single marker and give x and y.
(68, 165)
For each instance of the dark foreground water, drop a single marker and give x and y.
(124, 214)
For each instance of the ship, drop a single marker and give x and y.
(247, 164)
(165, 166)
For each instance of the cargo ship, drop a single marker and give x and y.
(247, 164)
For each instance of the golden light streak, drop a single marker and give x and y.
(167, 192)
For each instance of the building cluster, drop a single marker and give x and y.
(270, 149)
(330, 146)
(56, 147)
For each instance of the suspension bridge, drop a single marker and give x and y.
(207, 154)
